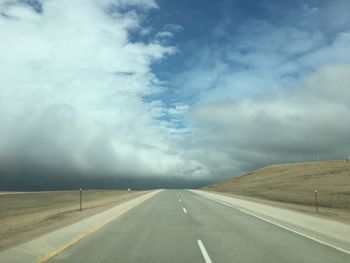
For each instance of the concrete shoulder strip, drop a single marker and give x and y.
(51, 244)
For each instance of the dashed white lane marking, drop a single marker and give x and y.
(180, 200)
(286, 228)
(204, 251)
(185, 211)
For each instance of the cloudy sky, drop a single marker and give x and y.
(142, 93)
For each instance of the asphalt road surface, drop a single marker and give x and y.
(180, 226)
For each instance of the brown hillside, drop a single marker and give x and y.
(295, 183)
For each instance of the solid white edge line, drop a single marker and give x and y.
(284, 227)
(204, 251)
(185, 211)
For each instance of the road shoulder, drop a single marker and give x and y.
(332, 232)
(40, 249)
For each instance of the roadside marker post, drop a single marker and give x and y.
(80, 191)
(316, 201)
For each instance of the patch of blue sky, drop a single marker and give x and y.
(239, 49)
(272, 36)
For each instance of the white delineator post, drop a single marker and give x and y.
(316, 201)
(80, 193)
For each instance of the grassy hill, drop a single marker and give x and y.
(295, 184)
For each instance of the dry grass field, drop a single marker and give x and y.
(294, 184)
(24, 216)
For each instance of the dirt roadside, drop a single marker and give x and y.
(25, 216)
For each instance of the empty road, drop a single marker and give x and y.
(180, 226)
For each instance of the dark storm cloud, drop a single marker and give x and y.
(68, 111)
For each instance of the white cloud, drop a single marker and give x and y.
(72, 88)
(179, 109)
(279, 126)
(269, 93)
(164, 34)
